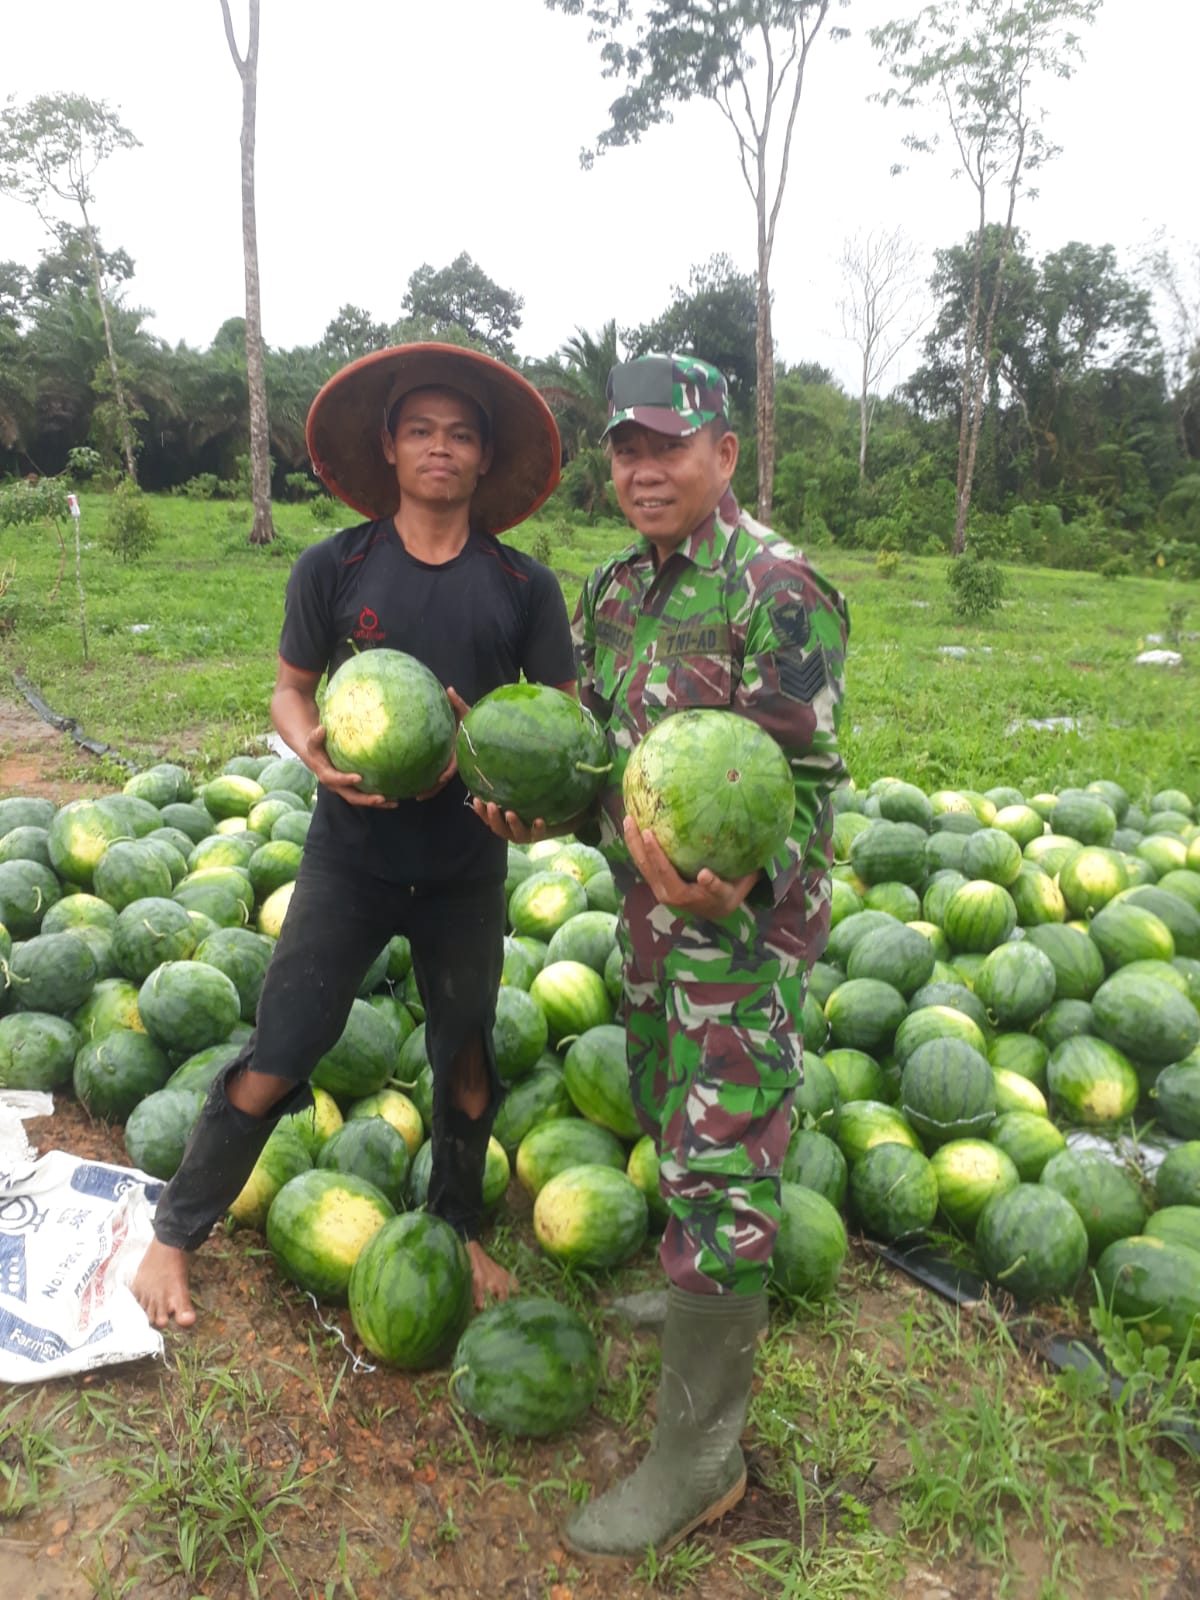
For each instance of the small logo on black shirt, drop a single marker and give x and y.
(368, 629)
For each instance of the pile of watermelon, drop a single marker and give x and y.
(1003, 972)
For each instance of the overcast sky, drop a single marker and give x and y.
(394, 132)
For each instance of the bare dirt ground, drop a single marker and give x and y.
(398, 1496)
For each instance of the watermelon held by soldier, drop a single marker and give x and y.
(715, 790)
(534, 750)
(388, 718)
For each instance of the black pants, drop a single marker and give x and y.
(336, 925)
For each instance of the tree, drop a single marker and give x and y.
(351, 334)
(878, 314)
(52, 146)
(714, 317)
(462, 298)
(979, 60)
(263, 528)
(1173, 271)
(749, 58)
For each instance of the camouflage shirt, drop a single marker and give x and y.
(735, 618)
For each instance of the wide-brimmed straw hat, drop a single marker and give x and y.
(346, 422)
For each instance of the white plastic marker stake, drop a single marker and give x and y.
(73, 508)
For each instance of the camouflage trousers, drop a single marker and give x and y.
(712, 1015)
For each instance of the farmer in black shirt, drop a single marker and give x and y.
(442, 449)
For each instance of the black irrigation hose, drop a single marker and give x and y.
(68, 725)
(962, 1287)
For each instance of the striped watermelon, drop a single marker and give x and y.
(1092, 1083)
(815, 1161)
(863, 1014)
(893, 1191)
(1031, 1242)
(1016, 983)
(979, 916)
(947, 1091)
(866, 1123)
(810, 1246)
(968, 1173)
(1028, 1140)
(1146, 1019)
(1108, 1201)
(1077, 962)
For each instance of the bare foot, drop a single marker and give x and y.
(491, 1280)
(160, 1286)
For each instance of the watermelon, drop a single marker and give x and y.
(1091, 1083)
(1091, 879)
(1077, 962)
(583, 861)
(394, 1108)
(814, 1029)
(318, 1224)
(222, 850)
(1176, 1225)
(1164, 853)
(935, 1022)
(543, 902)
(149, 933)
(284, 1157)
(968, 1173)
(1177, 1181)
(112, 1005)
(27, 892)
(53, 973)
(810, 1246)
(113, 1073)
(890, 852)
(596, 1075)
(1064, 1019)
(129, 870)
(893, 1191)
(231, 795)
(273, 910)
(567, 1142)
(944, 852)
(272, 865)
(896, 899)
(1037, 897)
(1181, 919)
(715, 790)
(823, 979)
(979, 916)
(815, 1161)
(25, 811)
(1016, 983)
(387, 718)
(1015, 1093)
(243, 956)
(76, 911)
(895, 955)
(589, 937)
(1030, 1241)
(372, 1149)
(1184, 884)
(955, 994)
(1085, 817)
(188, 1005)
(1146, 1019)
(947, 1091)
(26, 844)
(904, 802)
(293, 827)
(526, 1367)
(79, 834)
(643, 1170)
(1051, 852)
(539, 1098)
(866, 1123)
(37, 1051)
(287, 775)
(590, 1216)
(1028, 1139)
(519, 1033)
(1020, 822)
(992, 855)
(200, 1070)
(158, 1128)
(1019, 1053)
(1108, 1201)
(602, 893)
(363, 1058)
(1177, 1100)
(845, 901)
(864, 1014)
(1124, 932)
(856, 1076)
(533, 750)
(410, 1291)
(1154, 1284)
(817, 1101)
(573, 998)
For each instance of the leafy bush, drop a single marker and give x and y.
(887, 563)
(1179, 512)
(300, 485)
(541, 549)
(325, 510)
(1116, 567)
(130, 530)
(8, 598)
(202, 487)
(976, 586)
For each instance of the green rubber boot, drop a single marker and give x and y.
(694, 1471)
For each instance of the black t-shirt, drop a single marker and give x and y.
(482, 619)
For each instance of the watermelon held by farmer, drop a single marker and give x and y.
(715, 790)
(534, 750)
(388, 718)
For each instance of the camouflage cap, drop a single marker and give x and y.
(668, 394)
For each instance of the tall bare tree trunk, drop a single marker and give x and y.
(118, 389)
(863, 417)
(764, 360)
(263, 529)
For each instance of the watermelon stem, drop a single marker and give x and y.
(582, 766)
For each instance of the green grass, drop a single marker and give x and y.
(196, 686)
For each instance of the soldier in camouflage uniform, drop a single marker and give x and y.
(707, 609)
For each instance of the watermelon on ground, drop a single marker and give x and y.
(526, 1367)
(1031, 1242)
(317, 1225)
(810, 1246)
(590, 1216)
